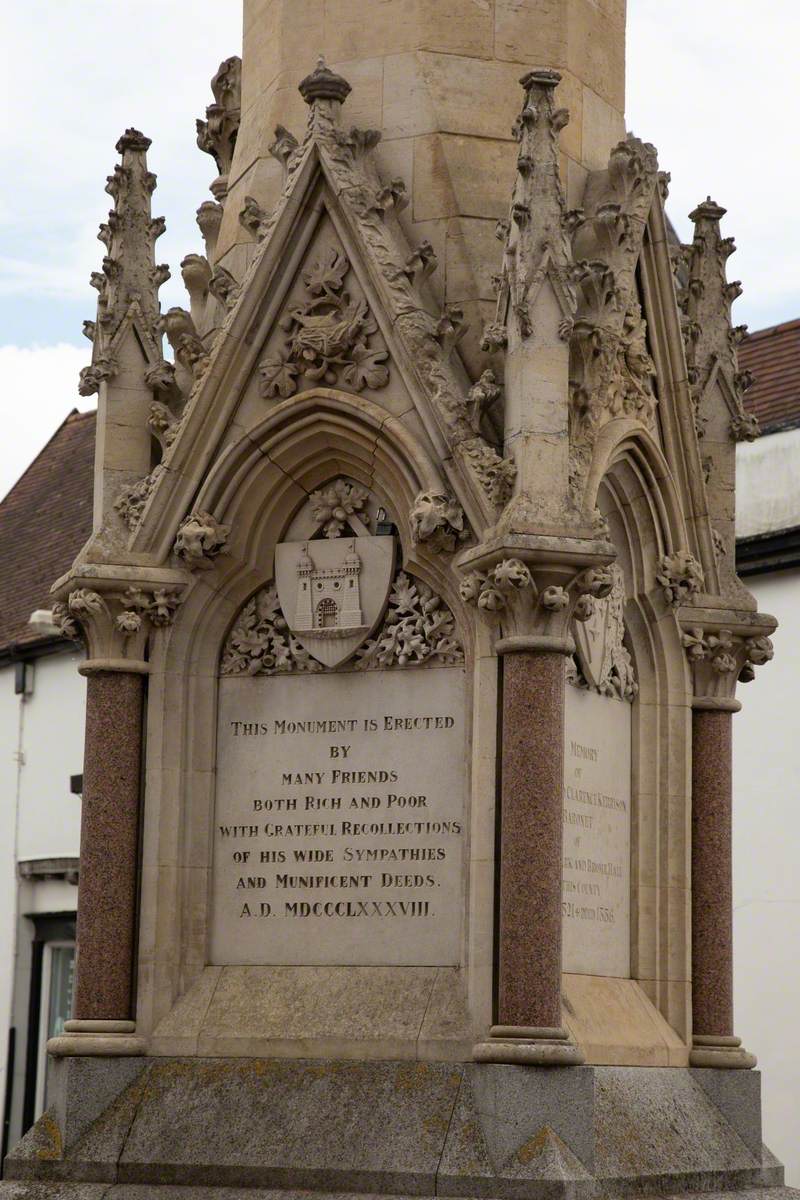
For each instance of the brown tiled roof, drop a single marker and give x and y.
(773, 357)
(44, 521)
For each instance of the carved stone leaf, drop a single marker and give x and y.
(366, 369)
(419, 629)
(278, 377)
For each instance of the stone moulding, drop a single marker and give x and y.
(418, 630)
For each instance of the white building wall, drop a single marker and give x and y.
(9, 745)
(766, 811)
(49, 824)
(41, 745)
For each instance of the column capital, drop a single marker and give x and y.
(530, 594)
(116, 617)
(723, 649)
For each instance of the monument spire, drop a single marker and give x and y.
(439, 81)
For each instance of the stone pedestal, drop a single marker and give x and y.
(173, 1126)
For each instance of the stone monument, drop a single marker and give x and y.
(413, 635)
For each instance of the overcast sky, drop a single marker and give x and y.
(716, 91)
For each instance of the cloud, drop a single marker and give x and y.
(39, 386)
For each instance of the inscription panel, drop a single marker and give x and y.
(597, 835)
(339, 821)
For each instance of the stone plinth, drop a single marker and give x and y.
(388, 1128)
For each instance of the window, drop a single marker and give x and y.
(58, 976)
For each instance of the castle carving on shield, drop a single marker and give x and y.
(329, 598)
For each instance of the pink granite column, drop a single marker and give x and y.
(712, 916)
(109, 847)
(529, 1028)
(712, 894)
(532, 786)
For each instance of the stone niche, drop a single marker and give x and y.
(338, 890)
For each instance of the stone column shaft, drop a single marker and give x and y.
(532, 784)
(712, 897)
(109, 847)
(713, 1041)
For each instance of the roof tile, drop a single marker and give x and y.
(44, 521)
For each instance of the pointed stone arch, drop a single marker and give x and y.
(634, 489)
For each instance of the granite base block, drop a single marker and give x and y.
(197, 1128)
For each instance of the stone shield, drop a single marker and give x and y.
(333, 592)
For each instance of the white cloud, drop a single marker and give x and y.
(39, 387)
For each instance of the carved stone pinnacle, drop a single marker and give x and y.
(324, 84)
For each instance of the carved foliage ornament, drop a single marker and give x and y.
(418, 630)
(509, 596)
(725, 654)
(680, 576)
(327, 336)
(336, 505)
(116, 624)
(438, 521)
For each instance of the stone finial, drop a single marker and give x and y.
(129, 281)
(217, 134)
(324, 84)
(710, 338)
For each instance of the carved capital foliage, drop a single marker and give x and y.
(438, 522)
(115, 624)
(720, 657)
(611, 370)
(710, 338)
(680, 576)
(536, 247)
(200, 540)
(523, 600)
(217, 134)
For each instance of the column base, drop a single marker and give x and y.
(709, 1050)
(529, 1045)
(89, 1038)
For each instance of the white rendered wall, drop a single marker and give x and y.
(768, 484)
(49, 824)
(41, 745)
(766, 822)
(9, 744)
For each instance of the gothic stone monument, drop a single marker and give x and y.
(413, 633)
